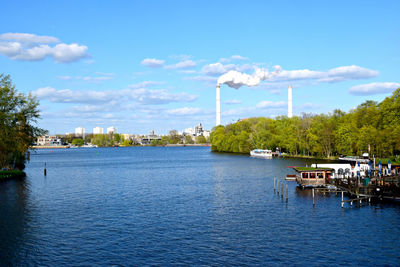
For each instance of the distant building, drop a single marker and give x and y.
(111, 129)
(47, 140)
(126, 136)
(206, 133)
(98, 130)
(196, 131)
(189, 131)
(80, 131)
(147, 139)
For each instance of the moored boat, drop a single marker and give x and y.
(312, 177)
(261, 153)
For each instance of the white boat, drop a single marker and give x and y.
(261, 153)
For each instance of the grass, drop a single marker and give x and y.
(11, 174)
(311, 169)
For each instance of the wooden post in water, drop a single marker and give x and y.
(282, 190)
(313, 197)
(287, 194)
(274, 185)
(342, 200)
(45, 171)
(277, 186)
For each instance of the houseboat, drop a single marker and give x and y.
(345, 170)
(261, 153)
(313, 176)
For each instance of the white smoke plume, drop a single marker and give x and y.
(237, 79)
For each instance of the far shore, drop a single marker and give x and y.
(168, 145)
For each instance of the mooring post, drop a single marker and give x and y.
(274, 184)
(282, 190)
(342, 200)
(287, 193)
(277, 186)
(45, 171)
(313, 197)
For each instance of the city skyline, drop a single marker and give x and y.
(160, 72)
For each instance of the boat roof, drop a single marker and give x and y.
(307, 169)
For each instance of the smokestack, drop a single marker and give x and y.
(218, 108)
(290, 102)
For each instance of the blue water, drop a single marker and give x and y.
(181, 205)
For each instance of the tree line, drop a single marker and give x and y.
(18, 115)
(371, 127)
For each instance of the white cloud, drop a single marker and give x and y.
(238, 57)
(207, 79)
(28, 38)
(145, 84)
(157, 97)
(90, 79)
(236, 79)
(234, 57)
(122, 97)
(65, 53)
(233, 102)
(271, 104)
(186, 64)
(216, 69)
(338, 74)
(374, 88)
(153, 63)
(185, 111)
(31, 47)
(65, 78)
(97, 79)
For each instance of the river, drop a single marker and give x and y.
(181, 205)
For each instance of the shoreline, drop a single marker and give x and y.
(168, 145)
(11, 174)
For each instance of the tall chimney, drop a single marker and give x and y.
(218, 108)
(290, 102)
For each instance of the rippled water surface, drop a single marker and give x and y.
(181, 205)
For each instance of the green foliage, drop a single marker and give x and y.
(11, 174)
(201, 140)
(371, 126)
(156, 142)
(18, 115)
(174, 137)
(78, 142)
(105, 140)
(189, 139)
(127, 142)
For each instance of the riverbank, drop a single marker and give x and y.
(11, 174)
(309, 157)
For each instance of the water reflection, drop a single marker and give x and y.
(14, 219)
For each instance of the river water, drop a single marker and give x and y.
(181, 205)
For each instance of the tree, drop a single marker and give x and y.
(18, 114)
(188, 139)
(201, 140)
(78, 142)
(127, 142)
(174, 137)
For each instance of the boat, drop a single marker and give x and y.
(312, 176)
(291, 177)
(261, 153)
(355, 159)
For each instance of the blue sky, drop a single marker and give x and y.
(143, 65)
